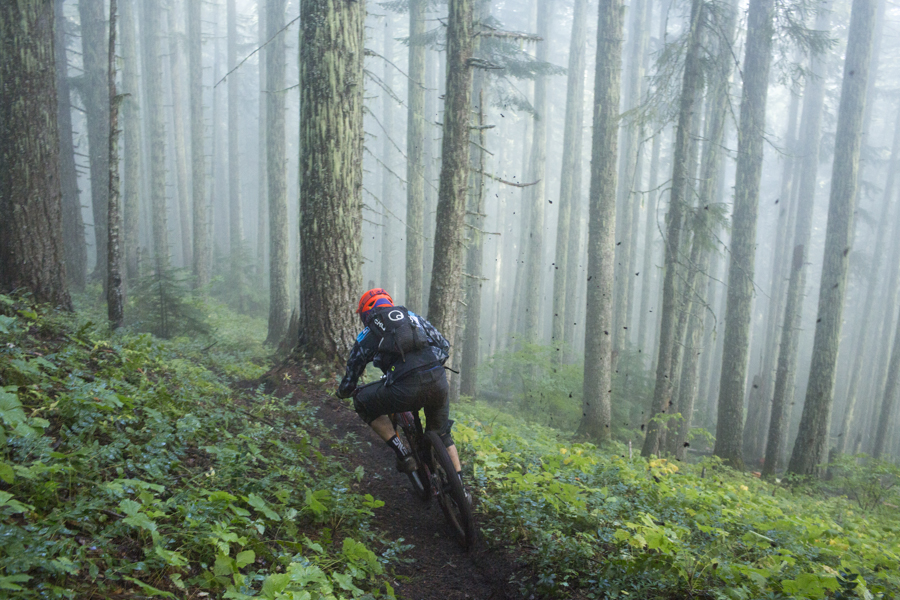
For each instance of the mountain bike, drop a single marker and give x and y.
(435, 476)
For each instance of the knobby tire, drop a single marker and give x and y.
(453, 499)
(420, 479)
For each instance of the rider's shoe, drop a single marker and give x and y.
(407, 464)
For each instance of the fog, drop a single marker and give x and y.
(739, 212)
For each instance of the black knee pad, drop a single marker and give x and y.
(360, 409)
(446, 435)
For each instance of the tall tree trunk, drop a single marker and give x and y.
(867, 316)
(279, 294)
(73, 225)
(783, 389)
(435, 74)
(262, 175)
(626, 196)
(31, 239)
(94, 47)
(415, 156)
(810, 448)
(201, 250)
(152, 74)
(515, 317)
(388, 230)
(645, 332)
(758, 56)
(882, 346)
(598, 346)
(645, 320)
(471, 341)
(889, 399)
(331, 141)
(759, 412)
(134, 152)
(534, 255)
(451, 209)
(691, 82)
(115, 286)
(235, 211)
(181, 178)
(570, 177)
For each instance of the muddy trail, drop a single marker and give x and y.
(436, 567)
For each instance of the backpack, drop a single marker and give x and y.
(397, 332)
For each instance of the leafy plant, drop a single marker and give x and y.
(132, 466)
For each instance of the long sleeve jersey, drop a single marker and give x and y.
(365, 350)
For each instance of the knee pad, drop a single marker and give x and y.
(360, 409)
(446, 435)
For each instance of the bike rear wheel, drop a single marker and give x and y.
(452, 495)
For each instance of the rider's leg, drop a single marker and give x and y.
(374, 402)
(382, 426)
(454, 457)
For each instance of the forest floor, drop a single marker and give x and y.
(436, 567)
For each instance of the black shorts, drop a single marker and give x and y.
(423, 389)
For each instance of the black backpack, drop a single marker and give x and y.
(397, 332)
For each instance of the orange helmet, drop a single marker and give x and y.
(371, 299)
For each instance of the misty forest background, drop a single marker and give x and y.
(677, 228)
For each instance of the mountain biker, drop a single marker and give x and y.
(411, 353)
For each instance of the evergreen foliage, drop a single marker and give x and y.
(164, 305)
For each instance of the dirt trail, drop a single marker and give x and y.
(439, 568)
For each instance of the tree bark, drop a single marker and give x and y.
(691, 82)
(181, 177)
(627, 184)
(451, 209)
(811, 446)
(889, 398)
(598, 347)
(389, 237)
(94, 46)
(115, 286)
(201, 251)
(415, 156)
(279, 294)
(783, 390)
(759, 411)
(134, 152)
(730, 423)
(152, 74)
(262, 177)
(73, 225)
(331, 142)
(31, 240)
(866, 316)
(534, 255)
(235, 213)
(471, 345)
(569, 184)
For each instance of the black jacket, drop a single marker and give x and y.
(365, 350)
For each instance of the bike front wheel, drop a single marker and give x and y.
(451, 494)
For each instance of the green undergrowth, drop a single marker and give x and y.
(131, 467)
(600, 523)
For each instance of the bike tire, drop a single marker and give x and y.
(420, 479)
(452, 496)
